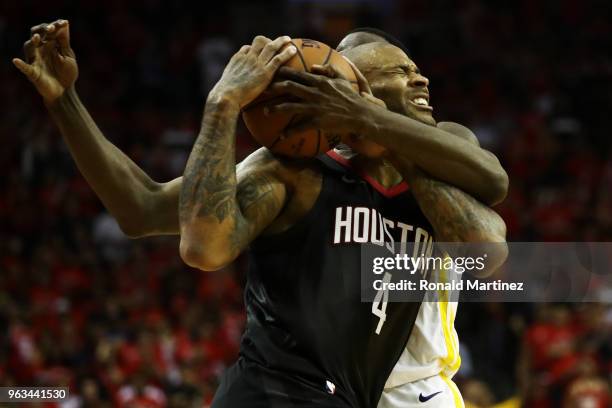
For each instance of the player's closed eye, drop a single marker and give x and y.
(405, 71)
(397, 71)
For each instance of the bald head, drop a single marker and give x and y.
(365, 35)
(364, 46)
(374, 56)
(358, 38)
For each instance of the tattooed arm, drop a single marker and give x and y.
(455, 215)
(220, 213)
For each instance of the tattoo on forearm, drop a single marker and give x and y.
(209, 183)
(210, 189)
(454, 214)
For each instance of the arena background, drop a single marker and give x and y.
(126, 323)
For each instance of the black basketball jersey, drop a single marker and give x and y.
(305, 317)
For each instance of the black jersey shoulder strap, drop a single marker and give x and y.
(331, 161)
(336, 162)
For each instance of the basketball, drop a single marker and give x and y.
(268, 130)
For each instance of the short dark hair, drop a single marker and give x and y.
(380, 33)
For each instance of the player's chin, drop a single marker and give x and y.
(425, 117)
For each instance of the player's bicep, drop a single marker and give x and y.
(464, 133)
(459, 130)
(261, 196)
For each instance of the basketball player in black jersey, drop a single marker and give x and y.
(309, 340)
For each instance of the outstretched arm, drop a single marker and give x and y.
(140, 205)
(455, 215)
(219, 212)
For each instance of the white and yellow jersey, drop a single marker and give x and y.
(433, 347)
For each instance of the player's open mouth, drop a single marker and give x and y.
(421, 102)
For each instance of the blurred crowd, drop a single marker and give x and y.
(126, 323)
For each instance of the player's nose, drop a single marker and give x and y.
(418, 80)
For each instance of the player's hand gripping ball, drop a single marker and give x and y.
(269, 129)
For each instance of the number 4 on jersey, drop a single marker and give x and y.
(379, 307)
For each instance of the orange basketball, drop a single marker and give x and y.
(268, 130)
